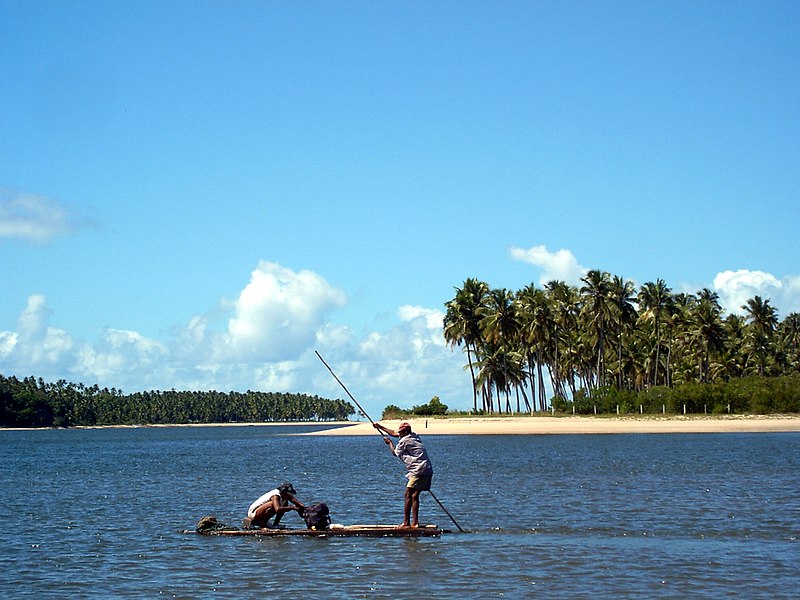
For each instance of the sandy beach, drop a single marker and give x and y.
(583, 424)
(526, 425)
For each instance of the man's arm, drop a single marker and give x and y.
(388, 431)
(283, 509)
(296, 502)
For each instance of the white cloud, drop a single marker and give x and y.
(735, 288)
(284, 375)
(32, 217)
(405, 365)
(559, 265)
(333, 336)
(279, 311)
(434, 319)
(791, 294)
(419, 331)
(36, 343)
(54, 345)
(120, 351)
(264, 340)
(8, 341)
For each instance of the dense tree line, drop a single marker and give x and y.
(605, 338)
(433, 408)
(753, 394)
(33, 402)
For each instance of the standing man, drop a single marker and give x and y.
(412, 452)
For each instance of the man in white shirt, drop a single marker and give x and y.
(275, 503)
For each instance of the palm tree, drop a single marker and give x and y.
(734, 357)
(624, 316)
(676, 327)
(708, 332)
(498, 372)
(462, 324)
(500, 327)
(598, 311)
(763, 319)
(634, 359)
(654, 300)
(537, 332)
(707, 295)
(789, 331)
(516, 376)
(565, 306)
(491, 375)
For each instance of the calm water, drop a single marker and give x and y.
(96, 514)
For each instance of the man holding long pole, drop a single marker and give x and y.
(389, 442)
(411, 451)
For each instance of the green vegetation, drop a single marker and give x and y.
(606, 345)
(432, 408)
(758, 395)
(35, 403)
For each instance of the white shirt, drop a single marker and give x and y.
(251, 512)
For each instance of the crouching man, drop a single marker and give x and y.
(275, 503)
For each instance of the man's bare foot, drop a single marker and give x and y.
(415, 525)
(403, 526)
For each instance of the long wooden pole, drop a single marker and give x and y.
(447, 512)
(344, 387)
(363, 412)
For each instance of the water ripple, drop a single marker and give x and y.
(96, 514)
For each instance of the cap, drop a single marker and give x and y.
(287, 488)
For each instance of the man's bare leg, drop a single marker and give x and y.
(266, 512)
(407, 501)
(415, 508)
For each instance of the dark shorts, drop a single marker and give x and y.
(420, 482)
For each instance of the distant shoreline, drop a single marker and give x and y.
(154, 425)
(520, 425)
(515, 425)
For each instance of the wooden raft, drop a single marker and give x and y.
(335, 531)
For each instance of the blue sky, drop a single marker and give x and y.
(198, 195)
